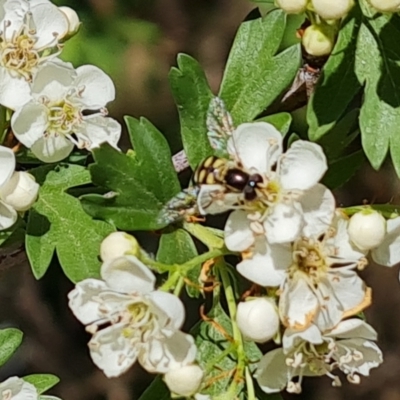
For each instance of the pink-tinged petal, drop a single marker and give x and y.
(14, 91)
(371, 356)
(160, 356)
(284, 223)
(15, 388)
(292, 337)
(267, 264)
(272, 372)
(388, 252)
(29, 123)
(213, 199)
(52, 148)
(112, 351)
(353, 328)
(257, 145)
(98, 88)
(302, 166)
(238, 234)
(128, 274)
(173, 312)
(7, 164)
(8, 216)
(297, 305)
(53, 80)
(51, 24)
(97, 130)
(318, 205)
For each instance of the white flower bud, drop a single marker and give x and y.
(184, 381)
(116, 245)
(292, 6)
(367, 229)
(73, 20)
(258, 319)
(318, 41)
(20, 192)
(329, 9)
(386, 5)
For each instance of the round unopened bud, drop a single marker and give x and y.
(292, 6)
(318, 41)
(20, 192)
(184, 381)
(328, 9)
(386, 5)
(367, 229)
(73, 20)
(258, 319)
(117, 244)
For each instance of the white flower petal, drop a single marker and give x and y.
(353, 328)
(97, 130)
(318, 206)
(52, 148)
(212, 199)
(15, 388)
(98, 88)
(284, 223)
(302, 166)
(267, 265)
(14, 91)
(184, 381)
(50, 24)
(272, 372)
(160, 356)
(7, 164)
(388, 252)
(29, 123)
(8, 216)
(238, 234)
(173, 311)
(257, 145)
(127, 274)
(292, 337)
(297, 304)
(112, 351)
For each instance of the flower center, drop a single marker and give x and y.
(63, 116)
(309, 257)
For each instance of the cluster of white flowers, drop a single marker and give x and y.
(130, 320)
(306, 253)
(15, 388)
(55, 106)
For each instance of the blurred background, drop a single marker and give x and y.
(136, 42)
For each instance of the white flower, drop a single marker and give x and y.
(117, 244)
(258, 319)
(367, 229)
(348, 347)
(321, 286)
(386, 5)
(53, 120)
(184, 381)
(290, 201)
(130, 320)
(15, 388)
(73, 20)
(292, 6)
(329, 9)
(318, 40)
(29, 38)
(18, 190)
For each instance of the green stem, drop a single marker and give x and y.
(387, 210)
(205, 235)
(237, 336)
(251, 395)
(179, 286)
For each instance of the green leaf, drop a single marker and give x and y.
(254, 77)
(10, 339)
(42, 382)
(211, 343)
(378, 67)
(280, 121)
(177, 247)
(338, 83)
(341, 170)
(157, 390)
(58, 222)
(140, 183)
(192, 95)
